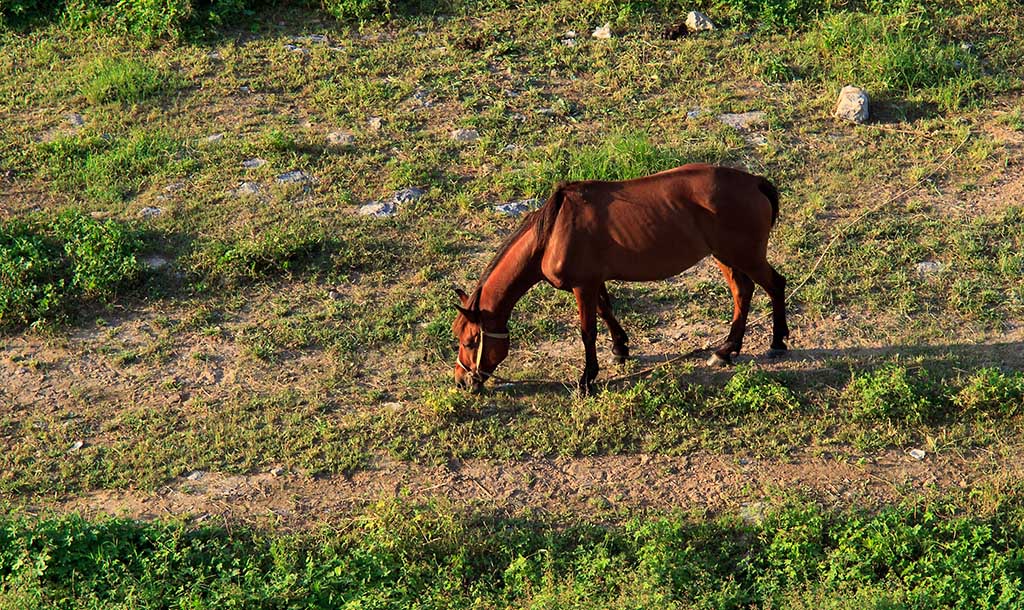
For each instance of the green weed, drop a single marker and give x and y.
(893, 393)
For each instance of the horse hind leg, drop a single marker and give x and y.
(775, 285)
(620, 342)
(742, 288)
(586, 301)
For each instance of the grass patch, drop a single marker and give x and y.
(110, 170)
(396, 556)
(126, 81)
(48, 268)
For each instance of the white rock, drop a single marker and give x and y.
(408, 195)
(569, 42)
(77, 445)
(465, 135)
(917, 454)
(174, 187)
(604, 32)
(692, 114)
(340, 139)
(318, 39)
(569, 34)
(296, 49)
(925, 268)
(375, 123)
(254, 163)
(150, 212)
(277, 471)
(515, 208)
(76, 120)
(742, 120)
(195, 475)
(852, 105)
(296, 176)
(217, 137)
(697, 21)
(155, 263)
(247, 189)
(380, 209)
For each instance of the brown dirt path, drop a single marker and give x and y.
(583, 486)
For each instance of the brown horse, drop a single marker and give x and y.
(639, 230)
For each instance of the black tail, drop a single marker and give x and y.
(772, 194)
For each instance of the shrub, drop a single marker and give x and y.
(278, 249)
(992, 390)
(753, 390)
(45, 272)
(892, 393)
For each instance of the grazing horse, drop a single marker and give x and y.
(640, 230)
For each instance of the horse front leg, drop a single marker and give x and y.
(586, 301)
(620, 342)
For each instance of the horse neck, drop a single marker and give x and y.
(515, 273)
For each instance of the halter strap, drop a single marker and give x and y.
(480, 354)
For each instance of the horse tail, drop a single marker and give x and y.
(772, 193)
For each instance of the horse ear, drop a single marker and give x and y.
(462, 295)
(472, 316)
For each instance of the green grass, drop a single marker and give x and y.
(398, 556)
(125, 81)
(112, 169)
(315, 430)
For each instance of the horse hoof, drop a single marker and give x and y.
(717, 361)
(776, 352)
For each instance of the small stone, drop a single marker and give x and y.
(394, 407)
(926, 268)
(757, 139)
(515, 208)
(174, 186)
(375, 123)
(77, 445)
(214, 55)
(245, 89)
(154, 262)
(741, 120)
(150, 212)
(296, 176)
(380, 209)
(917, 454)
(278, 471)
(254, 163)
(569, 42)
(569, 34)
(340, 139)
(217, 137)
(76, 120)
(697, 21)
(692, 114)
(247, 189)
(195, 475)
(408, 195)
(509, 148)
(603, 33)
(752, 513)
(318, 39)
(465, 135)
(296, 49)
(852, 104)
(334, 295)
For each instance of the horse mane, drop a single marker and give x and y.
(541, 220)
